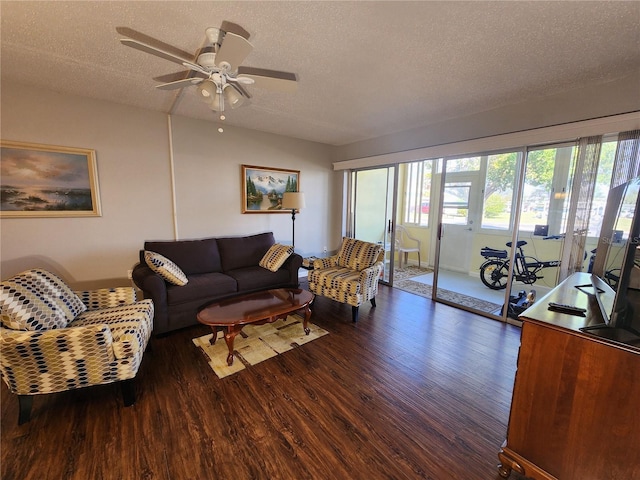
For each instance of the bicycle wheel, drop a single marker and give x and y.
(494, 274)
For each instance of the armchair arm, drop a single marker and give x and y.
(328, 262)
(411, 237)
(369, 280)
(107, 297)
(54, 358)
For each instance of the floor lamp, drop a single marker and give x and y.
(293, 201)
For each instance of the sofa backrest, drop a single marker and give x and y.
(240, 252)
(192, 256)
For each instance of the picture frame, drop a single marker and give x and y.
(48, 181)
(262, 188)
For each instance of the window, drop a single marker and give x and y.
(601, 191)
(467, 164)
(455, 208)
(418, 192)
(413, 192)
(546, 187)
(498, 191)
(545, 201)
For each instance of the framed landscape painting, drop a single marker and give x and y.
(262, 188)
(47, 181)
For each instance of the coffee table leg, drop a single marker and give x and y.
(229, 337)
(212, 341)
(307, 316)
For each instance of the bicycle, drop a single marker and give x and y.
(494, 272)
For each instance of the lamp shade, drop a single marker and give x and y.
(293, 200)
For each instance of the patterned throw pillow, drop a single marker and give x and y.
(38, 300)
(276, 256)
(165, 268)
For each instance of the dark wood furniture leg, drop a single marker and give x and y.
(25, 402)
(307, 316)
(506, 464)
(229, 337)
(128, 392)
(214, 337)
(354, 310)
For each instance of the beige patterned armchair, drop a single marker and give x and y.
(351, 276)
(53, 339)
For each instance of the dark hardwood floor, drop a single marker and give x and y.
(415, 389)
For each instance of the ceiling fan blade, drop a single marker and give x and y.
(234, 50)
(231, 27)
(186, 82)
(158, 53)
(174, 77)
(244, 93)
(270, 79)
(154, 46)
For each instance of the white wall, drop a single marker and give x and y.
(209, 185)
(133, 158)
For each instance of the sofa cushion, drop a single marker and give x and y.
(357, 255)
(165, 268)
(192, 256)
(38, 300)
(202, 287)
(258, 278)
(241, 252)
(276, 256)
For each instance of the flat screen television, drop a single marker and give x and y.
(617, 261)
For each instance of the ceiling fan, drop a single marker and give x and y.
(215, 69)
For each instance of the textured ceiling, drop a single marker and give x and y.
(365, 69)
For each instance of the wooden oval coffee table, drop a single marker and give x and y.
(257, 308)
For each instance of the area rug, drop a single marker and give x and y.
(425, 290)
(256, 343)
(409, 271)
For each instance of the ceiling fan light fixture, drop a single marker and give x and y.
(216, 102)
(232, 96)
(207, 90)
(207, 60)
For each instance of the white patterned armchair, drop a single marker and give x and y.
(351, 276)
(53, 339)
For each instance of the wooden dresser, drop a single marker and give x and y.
(575, 412)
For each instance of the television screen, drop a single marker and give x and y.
(616, 256)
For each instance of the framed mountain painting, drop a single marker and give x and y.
(262, 188)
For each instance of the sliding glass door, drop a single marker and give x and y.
(495, 226)
(477, 206)
(373, 192)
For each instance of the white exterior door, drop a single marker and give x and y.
(457, 222)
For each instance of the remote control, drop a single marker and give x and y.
(570, 309)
